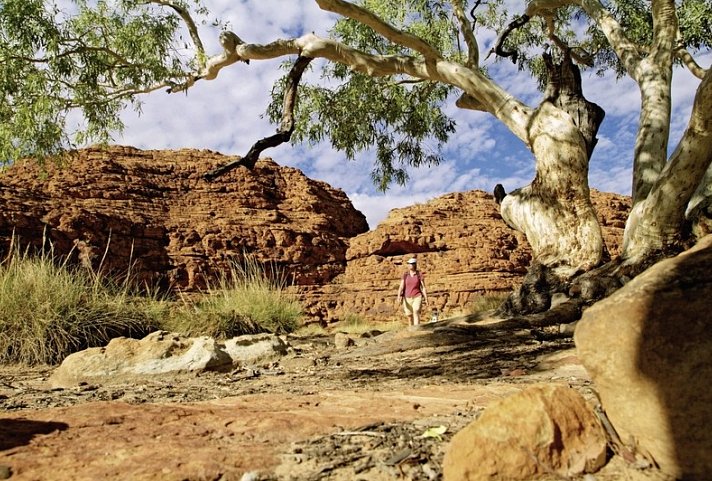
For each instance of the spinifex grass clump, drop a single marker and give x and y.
(49, 309)
(245, 300)
(487, 302)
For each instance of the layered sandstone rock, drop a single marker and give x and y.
(118, 206)
(463, 247)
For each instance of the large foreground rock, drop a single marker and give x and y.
(542, 431)
(648, 349)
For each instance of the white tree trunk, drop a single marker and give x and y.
(699, 211)
(555, 210)
(656, 224)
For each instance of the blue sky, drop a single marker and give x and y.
(225, 115)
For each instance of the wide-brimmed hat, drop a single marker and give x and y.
(412, 260)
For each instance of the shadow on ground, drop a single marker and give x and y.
(19, 432)
(460, 352)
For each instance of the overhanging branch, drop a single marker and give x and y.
(366, 17)
(498, 48)
(285, 130)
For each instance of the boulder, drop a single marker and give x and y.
(343, 340)
(538, 432)
(648, 348)
(158, 353)
(250, 350)
(162, 352)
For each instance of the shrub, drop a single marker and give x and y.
(487, 302)
(246, 300)
(49, 310)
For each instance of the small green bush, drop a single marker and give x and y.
(246, 300)
(49, 310)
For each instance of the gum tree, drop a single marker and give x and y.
(389, 67)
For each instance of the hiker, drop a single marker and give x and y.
(412, 291)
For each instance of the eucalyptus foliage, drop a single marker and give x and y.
(66, 75)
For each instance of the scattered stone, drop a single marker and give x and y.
(251, 476)
(568, 329)
(5, 472)
(343, 340)
(541, 431)
(648, 349)
(255, 349)
(298, 363)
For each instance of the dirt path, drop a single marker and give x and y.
(355, 413)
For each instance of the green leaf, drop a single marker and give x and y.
(434, 432)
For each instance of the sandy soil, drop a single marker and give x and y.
(351, 413)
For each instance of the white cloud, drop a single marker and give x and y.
(617, 179)
(377, 206)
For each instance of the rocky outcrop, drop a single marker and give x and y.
(117, 207)
(162, 353)
(648, 349)
(464, 249)
(543, 431)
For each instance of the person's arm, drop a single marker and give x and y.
(423, 290)
(401, 288)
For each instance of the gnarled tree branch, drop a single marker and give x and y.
(512, 112)
(688, 61)
(627, 51)
(498, 48)
(585, 59)
(229, 56)
(366, 17)
(285, 130)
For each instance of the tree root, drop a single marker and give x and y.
(545, 299)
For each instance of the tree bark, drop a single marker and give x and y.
(699, 210)
(555, 210)
(655, 226)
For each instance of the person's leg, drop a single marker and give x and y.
(416, 310)
(408, 309)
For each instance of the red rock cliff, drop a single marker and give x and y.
(154, 209)
(463, 247)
